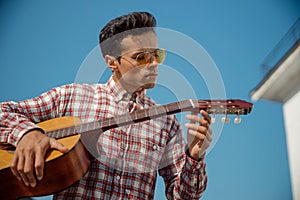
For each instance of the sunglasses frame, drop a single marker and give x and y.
(156, 53)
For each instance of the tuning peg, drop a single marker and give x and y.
(238, 119)
(225, 119)
(213, 118)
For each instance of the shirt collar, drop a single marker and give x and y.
(120, 93)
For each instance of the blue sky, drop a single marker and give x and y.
(43, 44)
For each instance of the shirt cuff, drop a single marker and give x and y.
(20, 130)
(194, 165)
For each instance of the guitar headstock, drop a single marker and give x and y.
(226, 107)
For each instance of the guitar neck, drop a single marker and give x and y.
(237, 107)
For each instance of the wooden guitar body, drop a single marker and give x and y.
(61, 170)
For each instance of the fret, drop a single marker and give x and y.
(111, 123)
(152, 112)
(91, 126)
(122, 119)
(105, 123)
(81, 128)
(128, 116)
(172, 108)
(49, 134)
(98, 125)
(142, 115)
(95, 125)
(161, 110)
(55, 133)
(64, 131)
(133, 116)
(58, 133)
(119, 120)
(61, 133)
(71, 131)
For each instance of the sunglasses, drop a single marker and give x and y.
(146, 57)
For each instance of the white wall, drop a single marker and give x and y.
(291, 111)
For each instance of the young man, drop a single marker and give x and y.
(128, 156)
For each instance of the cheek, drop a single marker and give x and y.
(134, 74)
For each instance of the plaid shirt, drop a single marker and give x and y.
(129, 155)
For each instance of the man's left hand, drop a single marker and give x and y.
(199, 134)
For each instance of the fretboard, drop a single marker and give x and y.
(125, 119)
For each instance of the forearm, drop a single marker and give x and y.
(13, 124)
(17, 118)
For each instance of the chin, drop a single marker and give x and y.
(149, 85)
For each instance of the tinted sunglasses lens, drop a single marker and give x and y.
(160, 55)
(146, 57)
(143, 58)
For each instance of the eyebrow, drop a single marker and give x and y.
(139, 51)
(145, 50)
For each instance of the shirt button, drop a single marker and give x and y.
(122, 146)
(118, 177)
(154, 147)
(121, 154)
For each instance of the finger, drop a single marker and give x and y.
(193, 117)
(13, 167)
(206, 116)
(200, 120)
(54, 144)
(20, 169)
(39, 163)
(204, 146)
(195, 127)
(209, 136)
(28, 168)
(196, 134)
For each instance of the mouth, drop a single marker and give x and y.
(151, 76)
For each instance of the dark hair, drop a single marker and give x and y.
(133, 21)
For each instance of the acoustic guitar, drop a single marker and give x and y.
(62, 170)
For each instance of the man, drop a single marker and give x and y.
(128, 156)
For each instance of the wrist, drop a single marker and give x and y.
(195, 155)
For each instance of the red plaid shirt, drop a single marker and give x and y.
(129, 155)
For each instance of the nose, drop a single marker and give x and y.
(153, 62)
(152, 67)
(153, 59)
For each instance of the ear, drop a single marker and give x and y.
(111, 62)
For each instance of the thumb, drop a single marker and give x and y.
(54, 144)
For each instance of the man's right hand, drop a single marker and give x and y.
(29, 157)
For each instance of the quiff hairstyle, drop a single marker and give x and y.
(114, 31)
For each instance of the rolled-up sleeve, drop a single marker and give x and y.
(17, 118)
(184, 177)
